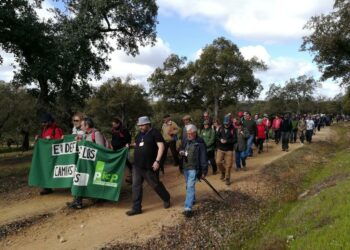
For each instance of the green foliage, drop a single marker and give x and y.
(174, 83)
(330, 42)
(17, 112)
(224, 75)
(120, 99)
(60, 55)
(319, 220)
(218, 78)
(296, 95)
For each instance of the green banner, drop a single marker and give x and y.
(90, 170)
(53, 163)
(99, 173)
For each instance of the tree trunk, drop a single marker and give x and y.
(216, 107)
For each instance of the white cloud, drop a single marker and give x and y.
(268, 21)
(141, 66)
(6, 68)
(281, 69)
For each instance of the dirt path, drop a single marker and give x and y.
(98, 224)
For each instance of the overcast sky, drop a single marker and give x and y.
(272, 30)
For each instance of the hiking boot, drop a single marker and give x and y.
(244, 168)
(133, 212)
(287, 150)
(222, 176)
(166, 204)
(215, 172)
(238, 169)
(187, 213)
(227, 182)
(75, 204)
(46, 191)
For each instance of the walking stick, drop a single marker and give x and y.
(211, 186)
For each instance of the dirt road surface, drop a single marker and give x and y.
(101, 223)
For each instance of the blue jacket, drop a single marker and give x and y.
(200, 152)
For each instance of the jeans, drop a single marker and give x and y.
(240, 156)
(249, 150)
(190, 177)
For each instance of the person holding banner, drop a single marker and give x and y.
(49, 131)
(149, 148)
(76, 120)
(88, 127)
(121, 138)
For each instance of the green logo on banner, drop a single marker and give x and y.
(104, 178)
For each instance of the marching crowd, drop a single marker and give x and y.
(222, 146)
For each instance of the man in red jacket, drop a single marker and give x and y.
(49, 131)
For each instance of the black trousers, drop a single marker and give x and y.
(152, 178)
(277, 135)
(211, 159)
(172, 146)
(285, 139)
(308, 135)
(260, 144)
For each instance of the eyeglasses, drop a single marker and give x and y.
(76, 120)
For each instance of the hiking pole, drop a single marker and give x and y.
(267, 146)
(211, 186)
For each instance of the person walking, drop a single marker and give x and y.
(149, 147)
(286, 128)
(195, 165)
(260, 135)
(226, 138)
(169, 133)
(294, 132)
(49, 131)
(240, 146)
(121, 138)
(310, 126)
(276, 128)
(76, 121)
(250, 125)
(186, 121)
(208, 135)
(301, 129)
(90, 133)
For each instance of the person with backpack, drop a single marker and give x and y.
(195, 165)
(121, 138)
(93, 135)
(208, 135)
(50, 131)
(226, 138)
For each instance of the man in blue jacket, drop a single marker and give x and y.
(195, 165)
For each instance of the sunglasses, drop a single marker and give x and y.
(76, 120)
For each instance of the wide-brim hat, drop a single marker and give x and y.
(143, 120)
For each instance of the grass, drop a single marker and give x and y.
(320, 219)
